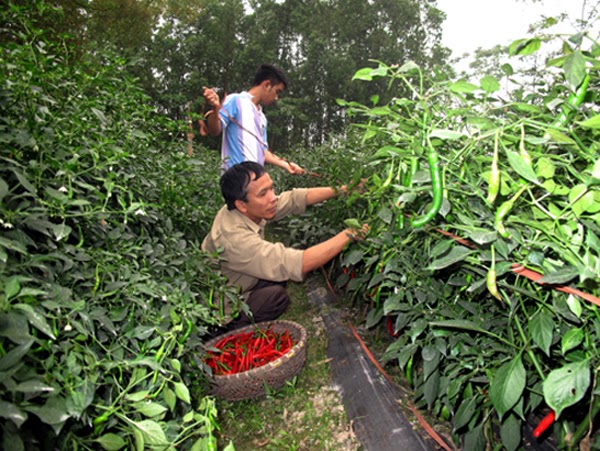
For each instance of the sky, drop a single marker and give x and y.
(485, 23)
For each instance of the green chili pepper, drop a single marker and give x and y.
(491, 278)
(161, 351)
(494, 183)
(503, 210)
(390, 176)
(96, 279)
(522, 150)
(187, 332)
(409, 366)
(437, 185)
(400, 220)
(414, 167)
(572, 103)
(99, 421)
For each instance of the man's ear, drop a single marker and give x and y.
(240, 205)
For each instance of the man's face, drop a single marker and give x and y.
(262, 200)
(272, 92)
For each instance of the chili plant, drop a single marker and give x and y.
(470, 195)
(102, 297)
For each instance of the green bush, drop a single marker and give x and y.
(518, 183)
(104, 292)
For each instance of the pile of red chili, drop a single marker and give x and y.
(245, 351)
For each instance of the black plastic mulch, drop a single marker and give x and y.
(371, 402)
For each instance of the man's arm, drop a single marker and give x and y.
(273, 159)
(317, 195)
(213, 121)
(316, 256)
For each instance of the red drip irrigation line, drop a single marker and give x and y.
(535, 276)
(519, 269)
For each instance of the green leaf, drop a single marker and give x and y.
(33, 386)
(449, 135)
(3, 189)
(545, 168)
(574, 305)
(465, 412)
(170, 398)
(507, 385)
(463, 87)
(459, 324)
(592, 122)
(560, 276)
(510, 432)
(408, 67)
(541, 328)
(138, 396)
(138, 437)
(24, 182)
(182, 392)
(475, 439)
(457, 254)
(559, 137)
(152, 432)
(99, 114)
(12, 412)
(524, 47)
(61, 231)
(363, 74)
(353, 223)
(482, 236)
(574, 67)
(352, 258)
(36, 319)
(431, 388)
(521, 167)
(489, 84)
(81, 398)
(53, 412)
(11, 287)
(373, 317)
(572, 339)
(507, 69)
(111, 442)
(151, 409)
(565, 386)
(584, 202)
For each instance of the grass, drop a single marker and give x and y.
(307, 414)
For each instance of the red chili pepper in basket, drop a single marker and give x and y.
(242, 352)
(544, 424)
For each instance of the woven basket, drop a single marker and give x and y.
(253, 383)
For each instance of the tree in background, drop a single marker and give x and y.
(176, 46)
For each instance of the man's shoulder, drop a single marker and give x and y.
(237, 97)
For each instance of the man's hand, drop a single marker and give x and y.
(357, 234)
(360, 187)
(212, 98)
(294, 169)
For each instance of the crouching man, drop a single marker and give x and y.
(259, 267)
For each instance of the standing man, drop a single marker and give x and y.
(243, 123)
(258, 267)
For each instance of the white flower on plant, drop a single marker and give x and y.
(140, 212)
(63, 189)
(68, 328)
(6, 225)
(164, 298)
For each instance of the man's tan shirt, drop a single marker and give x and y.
(246, 255)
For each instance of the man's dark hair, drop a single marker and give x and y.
(235, 180)
(271, 73)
